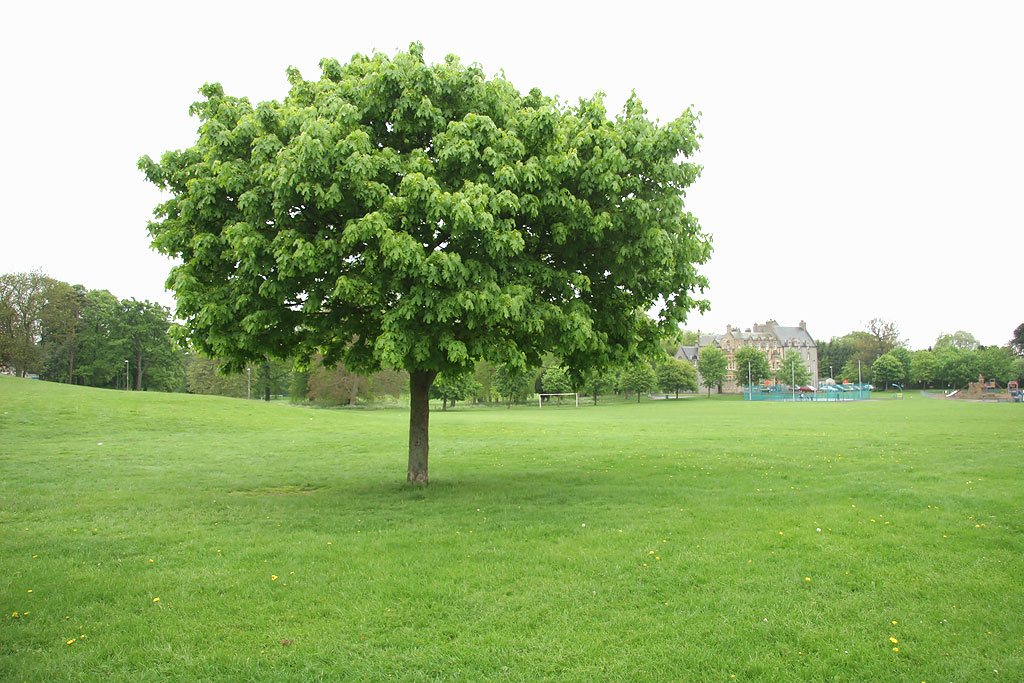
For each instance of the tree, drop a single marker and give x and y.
(60, 319)
(751, 366)
(395, 214)
(923, 368)
(712, 365)
(144, 327)
(596, 381)
(1017, 343)
(994, 363)
(452, 387)
(886, 335)
(888, 370)
(793, 369)
(1017, 371)
(676, 375)
(101, 348)
(22, 299)
(961, 340)
(639, 377)
(556, 380)
(202, 377)
(513, 383)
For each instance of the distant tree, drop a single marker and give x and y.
(451, 387)
(640, 378)
(101, 348)
(483, 375)
(1017, 371)
(596, 381)
(712, 365)
(676, 375)
(144, 326)
(793, 369)
(888, 370)
(751, 366)
(556, 380)
(956, 368)
(513, 383)
(335, 385)
(60, 322)
(22, 299)
(960, 340)
(855, 371)
(905, 357)
(202, 377)
(886, 335)
(995, 362)
(923, 368)
(272, 377)
(1017, 343)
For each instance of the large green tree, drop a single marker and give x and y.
(676, 375)
(1017, 343)
(418, 216)
(712, 365)
(793, 370)
(751, 366)
(888, 370)
(923, 368)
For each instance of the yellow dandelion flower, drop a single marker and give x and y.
(893, 640)
(895, 649)
(273, 577)
(894, 622)
(156, 599)
(14, 614)
(807, 578)
(70, 641)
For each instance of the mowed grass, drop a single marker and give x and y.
(691, 540)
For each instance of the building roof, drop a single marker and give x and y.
(788, 335)
(687, 353)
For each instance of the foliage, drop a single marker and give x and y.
(793, 370)
(639, 378)
(885, 334)
(23, 296)
(202, 377)
(395, 214)
(512, 383)
(888, 370)
(451, 387)
(1017, 343)
(995, 363)
(676, 375)
(751, 366)
(556, 380)
(143, 326)
(1017, 371)
(956, 368)
(960, 340)
(712, 365)
(923, 368)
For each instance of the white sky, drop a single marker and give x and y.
(860, 160)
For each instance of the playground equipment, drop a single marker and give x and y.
(987, 390)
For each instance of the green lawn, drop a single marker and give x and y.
(155, 537)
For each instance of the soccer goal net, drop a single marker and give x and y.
(540, 398)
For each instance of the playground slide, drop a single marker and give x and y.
(953, 394)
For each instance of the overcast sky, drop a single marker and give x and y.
(860, 160)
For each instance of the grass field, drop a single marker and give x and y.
(155, 537)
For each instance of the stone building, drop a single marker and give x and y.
(771, 338)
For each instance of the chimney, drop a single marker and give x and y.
(803, 325)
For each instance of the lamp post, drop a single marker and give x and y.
(830, 372)
(248, 384)
(750, 389)
(126, 374)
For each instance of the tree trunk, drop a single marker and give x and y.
(419, 423)
(138, 370)
(638, 396)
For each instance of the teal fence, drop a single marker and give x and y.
(838, 392)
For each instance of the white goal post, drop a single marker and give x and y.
(540, 398)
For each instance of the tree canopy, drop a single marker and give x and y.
(751, 366)
(395, 214)
(712, 365)
(793, 370)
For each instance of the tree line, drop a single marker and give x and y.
(878, 355)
